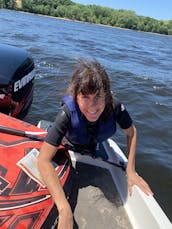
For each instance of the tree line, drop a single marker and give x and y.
(92, 14)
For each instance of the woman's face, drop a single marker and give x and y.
(91, 105)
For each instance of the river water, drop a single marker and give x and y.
(140, 68)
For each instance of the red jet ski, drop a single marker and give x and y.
(25, 203)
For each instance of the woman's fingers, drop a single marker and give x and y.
(135, 179)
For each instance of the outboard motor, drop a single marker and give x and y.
(16, 81)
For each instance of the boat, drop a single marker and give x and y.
(16, 81)
(98, 192)
(142, 211)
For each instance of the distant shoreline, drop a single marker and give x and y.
(67, 19)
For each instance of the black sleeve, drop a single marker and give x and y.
(122, 116)
(59, 127)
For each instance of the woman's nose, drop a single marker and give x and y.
(92, 102)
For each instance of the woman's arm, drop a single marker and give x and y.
(52, 182)
(133, 177)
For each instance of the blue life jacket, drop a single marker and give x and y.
(78, 133)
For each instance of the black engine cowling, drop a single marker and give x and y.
(16, 81)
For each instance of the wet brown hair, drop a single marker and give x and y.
(90, 77)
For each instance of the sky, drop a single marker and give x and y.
(157, 9)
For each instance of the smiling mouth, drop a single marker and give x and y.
(92, 112)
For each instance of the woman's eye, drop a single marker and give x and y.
(85, 98)
(99, 97)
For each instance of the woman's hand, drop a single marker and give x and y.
(65, 218)
(135, 179)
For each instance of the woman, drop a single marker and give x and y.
(88, 116)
